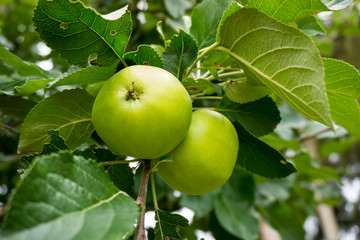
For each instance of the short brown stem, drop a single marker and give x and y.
(141, 200)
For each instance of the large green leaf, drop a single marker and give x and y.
(279, 56)
(69, 197)
(80, 34)
(343, 90)
(68, 111)
(23, 68)
(244, 92)
(205, 18)
(180, 54)
(90, 74)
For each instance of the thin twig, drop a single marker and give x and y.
(120, 162)
(7, 127)
(141, 200)
(315, 134)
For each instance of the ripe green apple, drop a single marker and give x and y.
(142, 111)
(205, 159)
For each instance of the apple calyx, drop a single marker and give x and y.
(132, 93)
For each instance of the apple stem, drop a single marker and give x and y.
(132, 94)
(141, 200)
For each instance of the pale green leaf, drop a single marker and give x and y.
(310, 26)
(69, 197)
(281, 57)
(243, 92)
(177, 8)
(68, 111)
(88, 75)
(80, 34)
(205, 19)
(288, 10)
(23, 68)
(343, 90)
(32, 86)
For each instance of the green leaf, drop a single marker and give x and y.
(177, 8)
(279, 56)
(144, 55)
(15, 106)
(122, 176)
(234, 7)
(195, 85)
(88, 75)
(237, 217)
(343, 90)
(68, 111)
(63, 196)
(200, 204)
(8, 84)
(283, 218)
(259, 117)
(310, 26)
(244, 92)
(260, 158)
(180, 54)
(167, 223)
(219, 60)
(205, 18)
(79, 33)
(31, 86)
(311, 171)
(288, 10)
(23, 68)
(218, 231)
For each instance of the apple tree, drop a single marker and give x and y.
(158, 106)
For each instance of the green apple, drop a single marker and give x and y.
(142, 111)
(205, 159)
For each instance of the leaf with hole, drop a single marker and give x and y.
(80, 34)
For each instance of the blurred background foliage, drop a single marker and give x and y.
(328, 164)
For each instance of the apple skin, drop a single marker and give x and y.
(150, 126)
(205, 159)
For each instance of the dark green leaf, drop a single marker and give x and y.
(122, 176)
(144, 55)
(80, 34)
(23, 68)
(68, 111)
(180, 54)
(90, 74)
(259, 117)
(167, 223)
(15, 106)
(60, 197)
(260, 158)
(218, 231)
(205, 19)
(8, 84)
